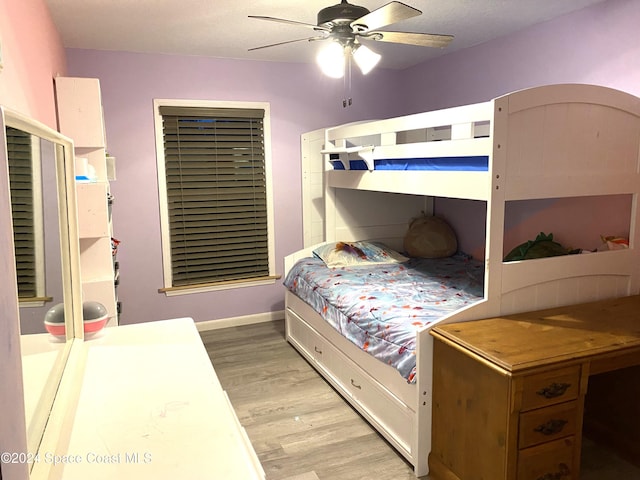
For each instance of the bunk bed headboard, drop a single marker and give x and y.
(569, 140)
(369, 215)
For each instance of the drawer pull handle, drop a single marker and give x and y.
(554, 390)
(551, 427)
(317, 350)
(359, 387)
(562, 472)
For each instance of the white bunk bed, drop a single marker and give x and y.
(553, 141)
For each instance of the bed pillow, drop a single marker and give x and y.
(344, 254)
(430, 237)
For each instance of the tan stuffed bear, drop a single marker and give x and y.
(430, 237)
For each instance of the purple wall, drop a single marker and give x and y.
(596, 45)
(301, 100)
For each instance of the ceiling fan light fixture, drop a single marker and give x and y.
(366, 59)
(331, 60)
(345, 24)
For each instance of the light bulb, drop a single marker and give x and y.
(331, 60)
(366, 59)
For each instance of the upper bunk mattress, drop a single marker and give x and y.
(380, 307)
(478, 163)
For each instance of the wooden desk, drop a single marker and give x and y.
(509, 393)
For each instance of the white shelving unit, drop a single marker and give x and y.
(80, 118)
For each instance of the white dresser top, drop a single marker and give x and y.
(151, 406)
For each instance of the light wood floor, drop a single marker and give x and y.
(302, 429)
(299, 426)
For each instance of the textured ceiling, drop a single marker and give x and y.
(221, 28)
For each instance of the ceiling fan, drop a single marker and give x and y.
(347, 24)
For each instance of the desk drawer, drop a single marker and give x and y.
(551, 460)
(546, 424)
(549, 388)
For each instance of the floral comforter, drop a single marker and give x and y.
(380, 308)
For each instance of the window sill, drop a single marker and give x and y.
(213, 287)
(29, 302)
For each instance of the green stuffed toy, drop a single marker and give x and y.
(542, 246)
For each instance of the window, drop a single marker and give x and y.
(24, 183)
(215, 191)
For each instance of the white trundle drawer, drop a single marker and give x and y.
(312, 344)
(373, 400)
(380, 406)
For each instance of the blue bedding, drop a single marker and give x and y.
(380, 308)
(472, 163)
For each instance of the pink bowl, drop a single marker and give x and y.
(90, 326)
(95, 325)
(55, 329)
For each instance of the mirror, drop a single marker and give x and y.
(42, 195)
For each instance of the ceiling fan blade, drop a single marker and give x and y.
(420, 39)
(386, 15)
(290, 22)
(309, 39)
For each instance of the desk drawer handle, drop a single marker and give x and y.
(359, 387)
(554, 390)
(317, 350)
(562, 472)
(551, 427)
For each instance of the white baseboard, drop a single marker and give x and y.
(238, 321)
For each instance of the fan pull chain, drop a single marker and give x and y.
(347, 101)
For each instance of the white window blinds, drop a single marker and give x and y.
(216, 194)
